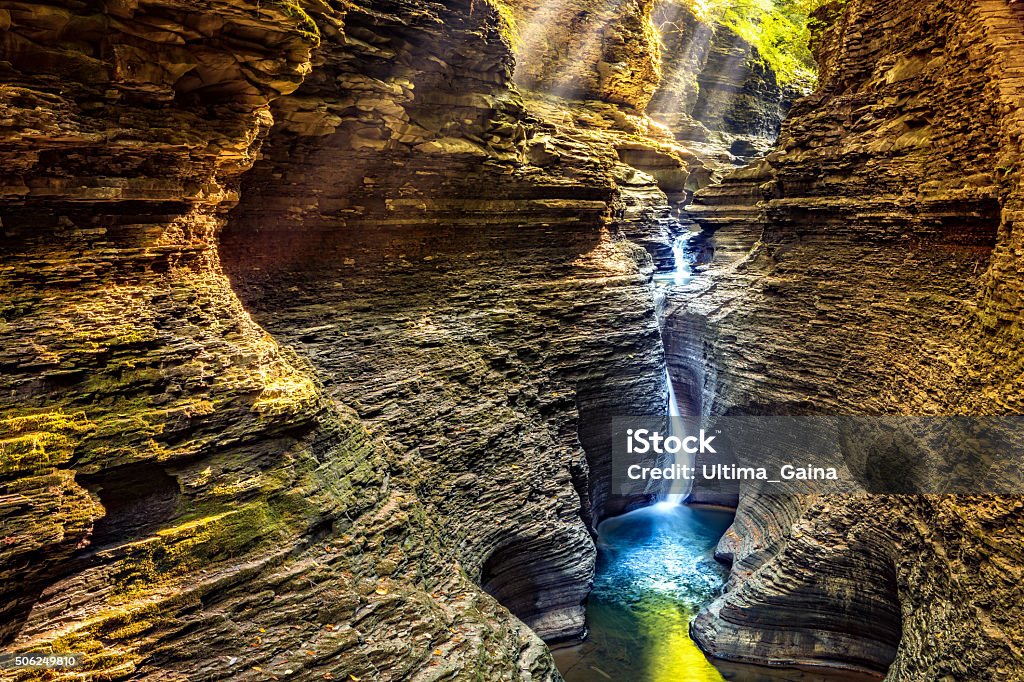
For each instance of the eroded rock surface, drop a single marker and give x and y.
(449, 301)
(448, 293)
(871, 265)
(605, 50)
(474, 309)
(715, 82)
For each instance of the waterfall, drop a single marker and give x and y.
(681, 273)
(676, 427)
(680, 276)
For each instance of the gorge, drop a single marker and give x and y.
(315, 314)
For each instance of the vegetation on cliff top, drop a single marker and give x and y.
(780, 30)
(508, 26)
(295, 10)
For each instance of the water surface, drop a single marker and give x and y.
(655, 571)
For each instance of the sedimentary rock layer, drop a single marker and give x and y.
(478, 312)
(714, 82)
(123, 132)
(604, 50)
(871, 265)
(453, 313)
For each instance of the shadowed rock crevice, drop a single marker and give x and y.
(527, 578)
(136, 499)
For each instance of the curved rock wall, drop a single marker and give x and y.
(125, 131)
(460, 300)
(869, 266)
(444, 305)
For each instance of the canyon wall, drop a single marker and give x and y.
(714, 81)
(871, 265)
(134, 384)
(478, 309)
(606, 50)
(690, 72)
(445, 312)
(312, 326)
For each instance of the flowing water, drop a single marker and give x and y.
(655, 571)
(683, 272)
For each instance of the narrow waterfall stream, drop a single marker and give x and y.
(682, 273)
(675, 428)
(655, 571)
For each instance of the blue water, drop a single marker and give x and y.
(655, 571)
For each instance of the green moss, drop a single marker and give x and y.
(507, 25)
(780, 30)
(286, 393)
(294, 9)
(40, 441)
(197, 543)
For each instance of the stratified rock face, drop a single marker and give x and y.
(132, 378)
(475, 311)
(606, 50)
(871, 265)
(712, 80)
(455, 316)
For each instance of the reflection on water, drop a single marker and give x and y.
(655, 570)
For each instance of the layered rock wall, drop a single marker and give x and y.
(460, 299)
(868, 266)
(446, 312)
(125, 131)
(690, 72)
(607, 50)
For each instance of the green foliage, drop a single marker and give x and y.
(780, 30)
(507, 25)
(295, 10)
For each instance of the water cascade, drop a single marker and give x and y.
(677, 428)
(682, 273)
